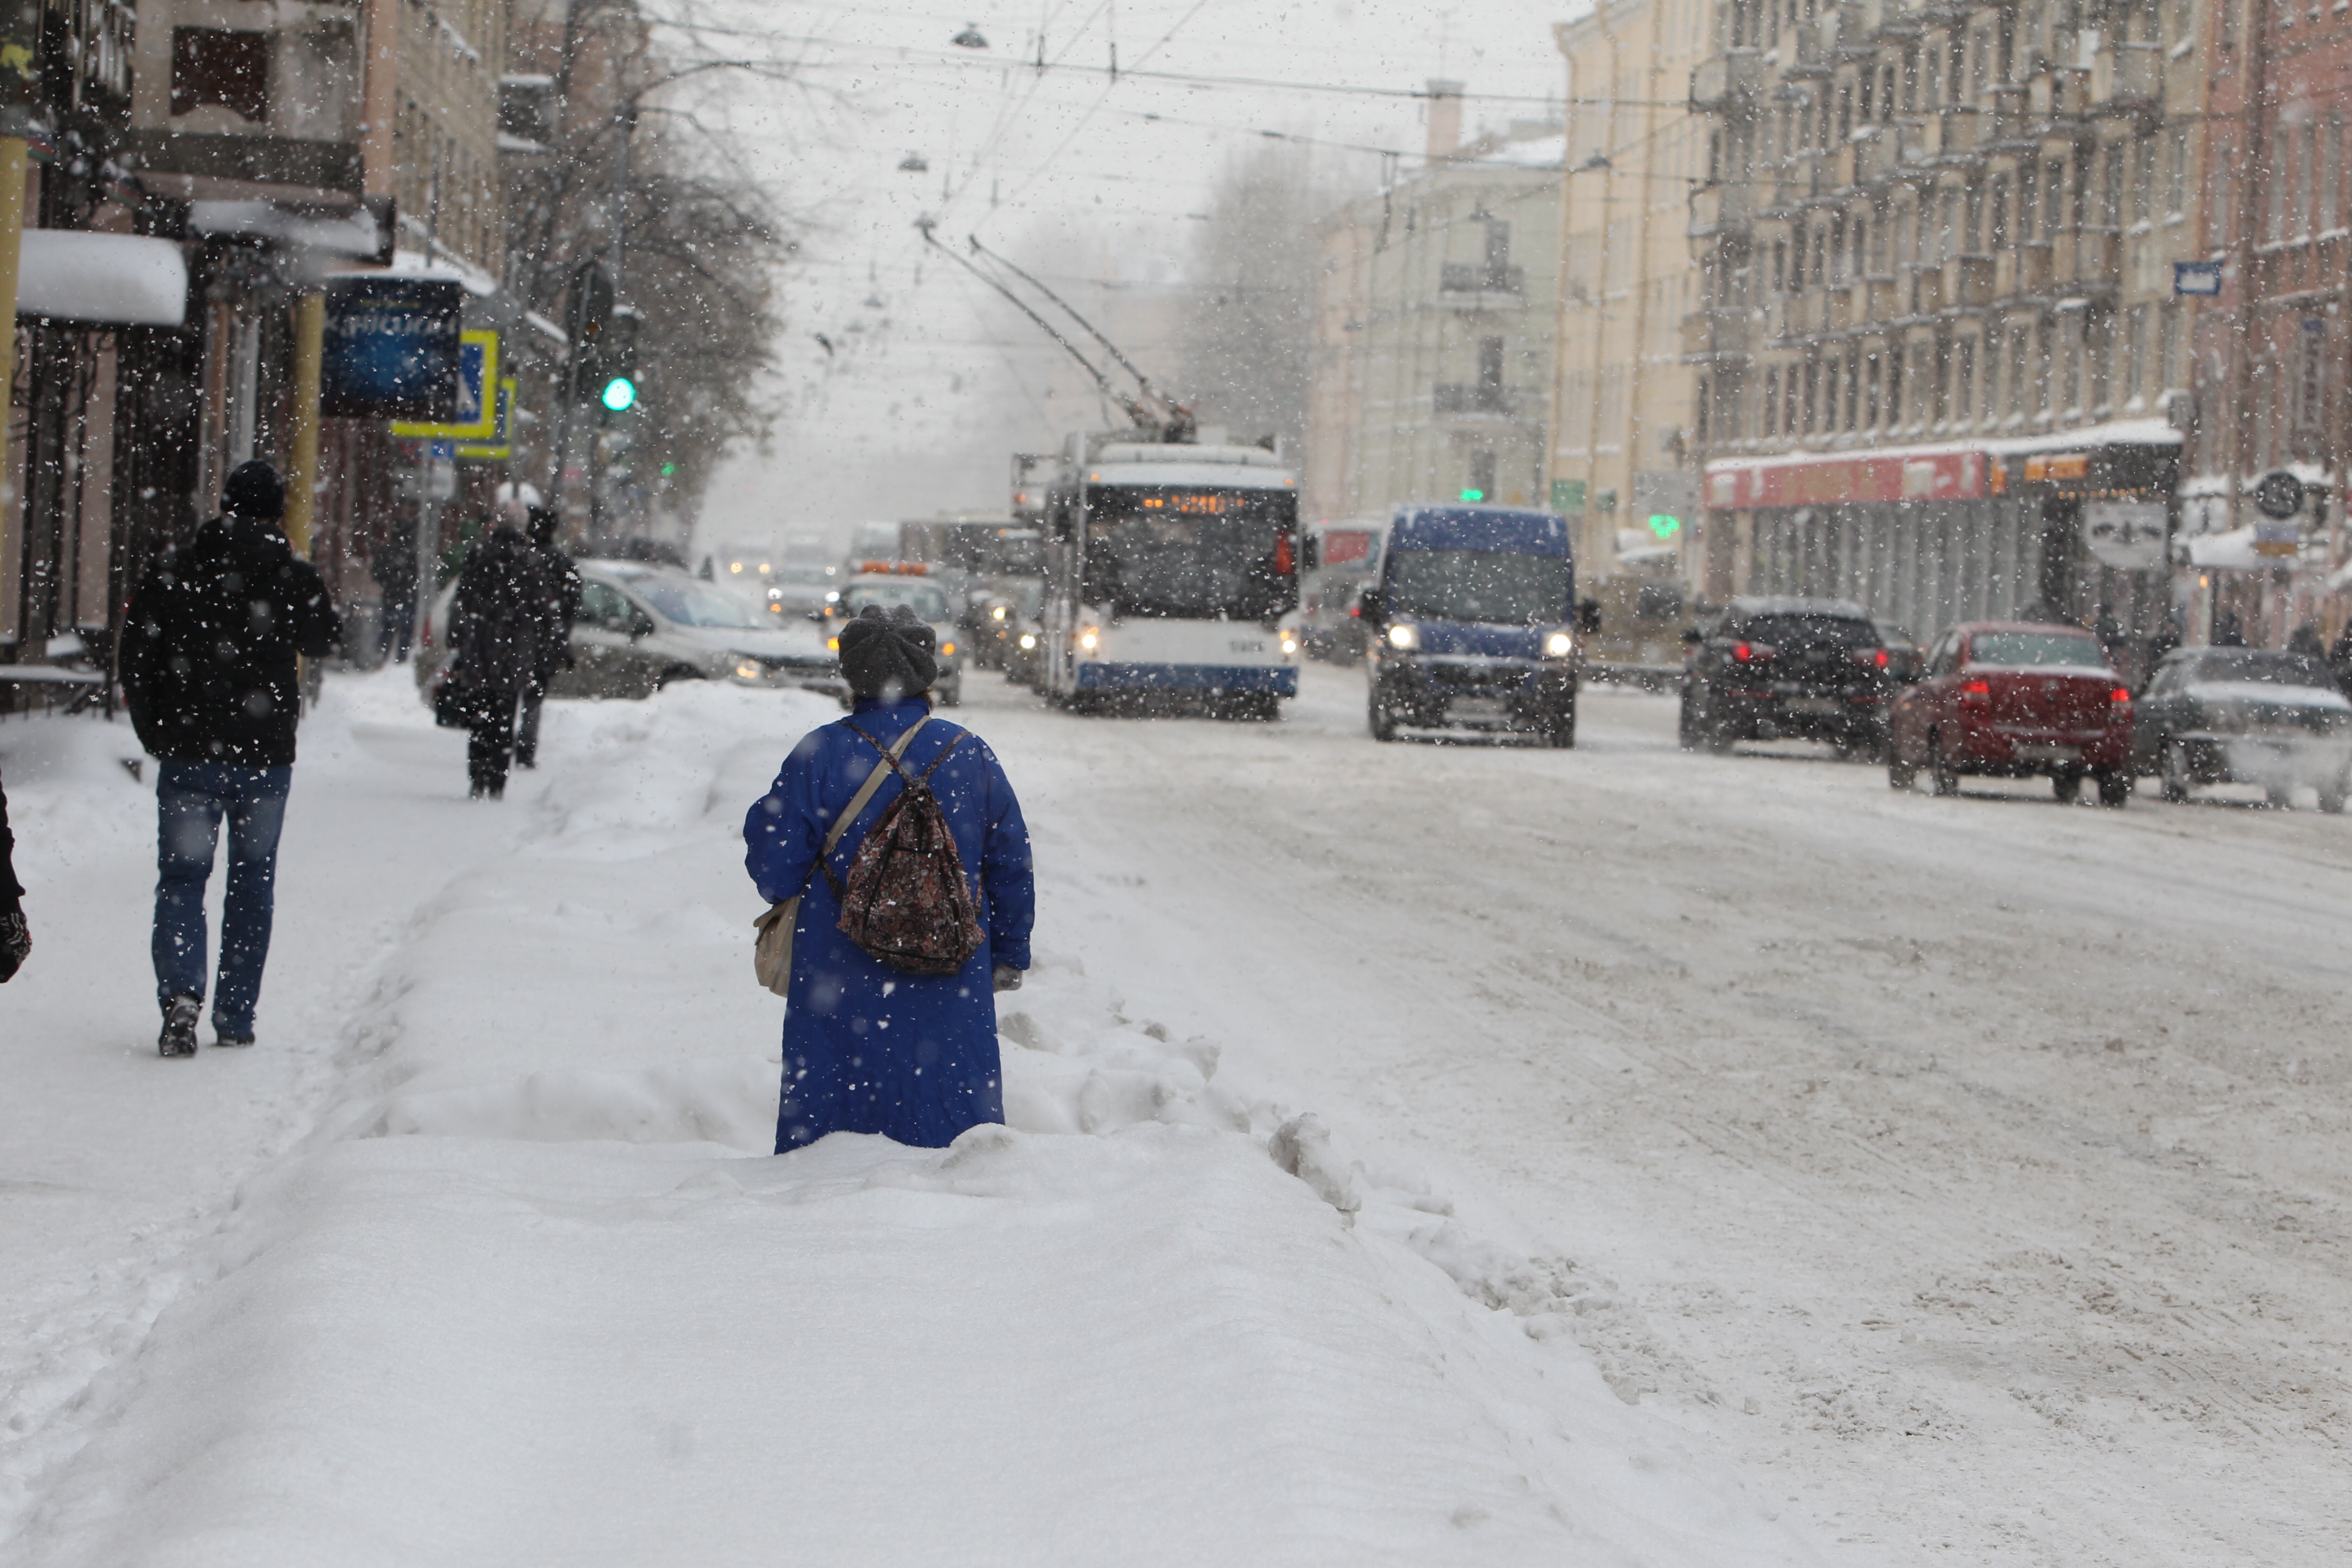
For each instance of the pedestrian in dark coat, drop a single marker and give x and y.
(499, 630)
(868, 1047)
(15, 937)
(210, 669)
(556, 651)
(2339, 659)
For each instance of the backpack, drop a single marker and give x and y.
(906, 900)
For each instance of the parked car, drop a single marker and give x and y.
(2016, 700)
(909, 583)
(642, 626)
(2215, 715)
(1786, 669)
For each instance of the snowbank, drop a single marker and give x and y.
(533, 1291)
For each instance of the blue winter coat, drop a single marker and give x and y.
(868, 1048)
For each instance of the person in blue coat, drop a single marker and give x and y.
(867, 1047)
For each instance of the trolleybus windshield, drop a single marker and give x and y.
(1191, 554)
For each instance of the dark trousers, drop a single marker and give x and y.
(191, 800)
(399, 626)
(526, 746)
(491, 743)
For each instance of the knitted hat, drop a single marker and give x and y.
(253, 491)
(889, 659)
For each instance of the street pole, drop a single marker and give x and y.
(625, 125)
(302, 455)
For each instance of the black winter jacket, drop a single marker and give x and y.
(502, 624)
(209, 646)
(10, 893)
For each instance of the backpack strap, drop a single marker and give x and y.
(858, 802)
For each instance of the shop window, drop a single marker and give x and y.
(212, 65)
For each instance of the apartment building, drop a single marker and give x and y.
(1624, 454)
(2271, 396)
(1940, 358)
(1434, 321)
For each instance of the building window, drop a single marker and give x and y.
(1894, 387)
(1772, 402)
(1964, 378)
(1992, 373)
(212, 65)
(2134, 338)
(1872, 372)
(1490, 395)
(1481, 475)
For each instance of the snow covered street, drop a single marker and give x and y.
(1728, 1161)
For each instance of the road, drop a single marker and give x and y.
(1968, 1175)
(1977, 1168)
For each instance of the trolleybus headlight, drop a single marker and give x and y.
(1089, 639)
(1405, 634)
(1559, 645)
(996, 614)
(947, 651)
(748, 670)
(1289, 642)
(1028, 641)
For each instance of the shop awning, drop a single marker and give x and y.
(111, 279)
(354, 231)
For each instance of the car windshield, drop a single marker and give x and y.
(2264, 669)
(2018, 649)
(1808, 632)
(689, 603)
(1494, 587)
(927, 603)
(1191, 554)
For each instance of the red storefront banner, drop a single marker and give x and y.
(1831, 481)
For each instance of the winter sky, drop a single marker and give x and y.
(929, 383)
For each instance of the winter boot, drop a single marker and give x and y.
(179, 1036)
(223, 1038)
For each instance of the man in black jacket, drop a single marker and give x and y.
(15, 938)
(555, 647)
(209, 668)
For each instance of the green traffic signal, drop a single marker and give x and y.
(1665, 526)
(620, 394)
(1473, 495)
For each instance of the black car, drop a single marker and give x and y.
(1787, 669)
(2234, 715)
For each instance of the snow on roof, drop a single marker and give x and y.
(2119, 433)
(74, 275)
(1542, 152)
(355, 232)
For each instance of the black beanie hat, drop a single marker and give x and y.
(253, 491)
(889, 659)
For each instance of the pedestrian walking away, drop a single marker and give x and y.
(502, 624)
(211, 673)
(16, 936)
(871, 1046)
(556, 651)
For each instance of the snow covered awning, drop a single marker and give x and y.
(112, 280)
(354, 232)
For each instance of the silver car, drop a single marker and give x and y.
(931, 603)
(640, 627)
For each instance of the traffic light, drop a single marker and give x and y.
(617, 362)
(1665, 525)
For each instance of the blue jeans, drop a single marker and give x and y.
(190, 798)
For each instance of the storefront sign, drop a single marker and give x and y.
(2200, 280)
(392, 349)
(1829, 481)
(2126, 534)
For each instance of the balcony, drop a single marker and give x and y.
(1973, 279)
(2126, 79)
(1726, 83)
(1468, 283)
(1477, 400)
(1715, 209)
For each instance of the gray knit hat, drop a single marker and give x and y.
(888, 658)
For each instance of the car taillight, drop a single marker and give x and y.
(2120, 694)
(1282, 558)
(1976, 694)
(1750, 652)
(1355, 609)
(1874, 656)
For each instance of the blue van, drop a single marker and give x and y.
(1472, 624)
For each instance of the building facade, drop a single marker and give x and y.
(1624, 463)
(2272, 394)
(1940, 357)
(1433, 319)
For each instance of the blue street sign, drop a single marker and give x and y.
(2201, 278)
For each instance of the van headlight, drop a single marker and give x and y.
(1028, 641)
(749, 669)
(997, 613)
(1559, 645)
(1404, 636)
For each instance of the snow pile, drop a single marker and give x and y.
(534, 1291)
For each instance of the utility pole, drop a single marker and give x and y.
(625, 127)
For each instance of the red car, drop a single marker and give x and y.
(2011, 700)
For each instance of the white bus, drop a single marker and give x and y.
(1172, 571)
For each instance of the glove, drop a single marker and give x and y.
(16, 940)
(1007, 977)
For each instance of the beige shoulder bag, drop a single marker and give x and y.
(771, 953)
